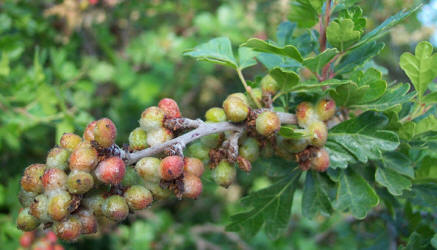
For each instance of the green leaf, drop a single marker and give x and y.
(394, 182)
(314, 198)
(430, 98)
(284, 33)
(434, 241)
(246, 57)
(355, 194)
(421, 67)
(305, 12)
(356, 14)
(316, 63)
(399, 163)
(358, 57)
(290, 132)
(269, 47)
(270, 207)
(348, 94)
(286, 79)
(424, 194)
(341, 33)
(364, 136)
(217, 50)
(372, 78)
(311, 84)
(427, 124)
(339, 156)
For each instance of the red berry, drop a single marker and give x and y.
(88, 134)
(79, 182)
(193, 166)
(171, 167)
(27, 238)
(70, 141)
(51, 237)
(138, 197)
(115, 208)
(53, 179)
(31, 180)
(26, 221)
(192, 186)
(305, 114)
(88, 221)
(325, 109)
(111, 170)
(105, 132)
(170, 107)
(320, 162)
(84, 157)
(68, 229)
(267, 123)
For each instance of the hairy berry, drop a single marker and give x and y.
(171, 167)
(215, 115)
(68, 229)
(170, 108)
(193, 166)
(70, 141)
(138, 197)
(111, 170)
(58, 158)
(84, 157)
(320, 162)
(53, 179)
(269, 85)
(267, 123)
(115, 208)
(79, 182)
(224, 174)
(318, 133)
(88, 133)
(105, 132)
(249, 149)
(26, 198)
(192, 186)
(325, 109)
(149, 169)
(199, 150)
(305, 114)
(31, 180)
(236, 109)
(94, 202)
(88, 221)
(138, 139)
(158, 136)
(39, 208)
(152, 118)
(26, 221)
(59, 204)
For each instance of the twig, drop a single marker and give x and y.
(248, 89)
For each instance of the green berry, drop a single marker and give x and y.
(158, 192)
(242, 96)
(138, 197)
(115, 208)
(258, 94)
(27, 222)
(318, 133)
(88, 221)
(249, 149)
(138, 139)
(152, 118)
(325, 109)
(149, 169)
(267, 123)
(192, 186)
(79, 182)
(193, 166)
(267, 151)
(297, 145)
(236, 109)
(171, 167)
(68, 229)
(70, 141)
(224, 174)
(215, 115)
(320, 162)
(131, 177)
(84, 157)
(94, 202)
(269, 85)
(54, 179)
(58, 158)
(305, 114)
(31, 180)
(212, 140)
(170, 108)
(111, 170)
(59, 204)
(199, 150)
(39, 208)
(158, 136)
(26, 198)
(105, 132)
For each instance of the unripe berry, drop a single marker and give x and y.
(199, 150)
(39, 208)
(236, 109)
(193, 166)
(88, 134)
(54, 179)
(325, 109)
(158, 192)
(31, 180)
(242, 96)
(269, 85)
(158, 136)
(70, 141)
(115, 208)
(26, 198)
(249, 149)
(79, 182)
(138, 139)
(318, 133)
(149, 169)
(267, 123)
(131, 177)
(105, 224)
(105, 132)
(297, 145)
(88, 221)
(320, 162)
(192, 186)
(258, 94)
(111, 170)
(84, 157)
(26, 239)
(26, 221)
(59, 204)
(138, 197)
(170, 108)
(94, 203)
(305, 114)
(171, 167)
(211, 141)
(152, 118)
(68, 229)
(215, 115)
(224, 174)
(58, 158)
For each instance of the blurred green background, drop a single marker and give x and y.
(66, 63)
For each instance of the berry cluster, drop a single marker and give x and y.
(36, 240)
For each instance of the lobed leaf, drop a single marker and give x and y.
(314, 198)
(217, 50)
(393, 181)
(358, 57)
(269, 47)
(341, 33)
(316, 63)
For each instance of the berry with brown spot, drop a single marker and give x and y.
(84, 157)
(170, 108)
(68, 229)
(31, 180)
(115, 208)
(70, 141)
(111, 170)
(105, 132)
(79, 182)
(59, 204)
(138, 197)
(171, 167)
(53, 179)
